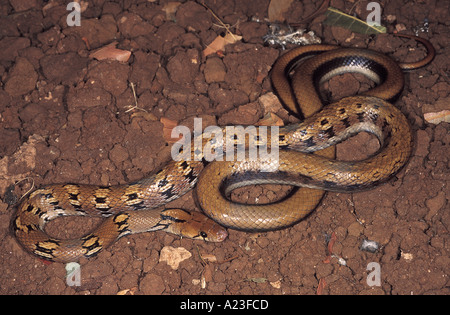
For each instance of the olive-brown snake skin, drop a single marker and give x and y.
(297, 164)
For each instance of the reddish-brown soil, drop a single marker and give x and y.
(66, 118)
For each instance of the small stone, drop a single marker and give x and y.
(355, 229)
(152, 284)
(435, 204)
(118, 154)
(23, 5)
(214, 70)
(423, 142)
(22, 78)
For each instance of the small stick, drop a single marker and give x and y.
(220, 21)
(136, 106)
(29, 190)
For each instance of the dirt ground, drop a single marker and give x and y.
(66, 117)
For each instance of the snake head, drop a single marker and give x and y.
(195, 225)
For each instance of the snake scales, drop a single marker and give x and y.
(318, 133)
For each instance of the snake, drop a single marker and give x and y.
(306, 159)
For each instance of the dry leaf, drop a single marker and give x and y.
(276, 284)
(220, 42)
(437, 117)
(438, 111)
(338, 18)
(110, 52)
(209, 257)
(400, 27)
(127, 291)
(203, 282)
(174, 256)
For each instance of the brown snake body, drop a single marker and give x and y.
(318, 133)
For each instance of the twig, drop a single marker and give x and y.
(225, 26)
(136, 106)
(29, 190)
(204, 262)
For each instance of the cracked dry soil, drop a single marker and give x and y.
(65, 118)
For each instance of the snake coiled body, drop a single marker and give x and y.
(306, 159)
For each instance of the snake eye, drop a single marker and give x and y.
(203, 234)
